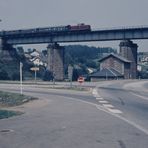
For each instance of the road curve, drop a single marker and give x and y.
(65, 118)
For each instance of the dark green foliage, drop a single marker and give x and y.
(48, 76)
(10, 65)
(76, 74)
(7, 113)
(79, 72)
(91, 63)
(41, 72)
(4, 75)
(13, 99)
(44, 52)
(79, 53)
(143, 74)
(16, 76)
(83, 57)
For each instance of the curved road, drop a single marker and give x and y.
(113, 115)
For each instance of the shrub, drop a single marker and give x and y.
(48, 76)
(4, 75)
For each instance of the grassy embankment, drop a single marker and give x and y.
(8, 99)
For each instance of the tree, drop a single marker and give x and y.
(16, 76)
(48, 76)
(4, 75)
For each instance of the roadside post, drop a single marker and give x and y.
(70, 74)
(35, 69)
(21, 75)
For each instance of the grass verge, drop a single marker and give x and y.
(9, 113)
(8, 99)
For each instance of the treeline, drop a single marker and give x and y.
(78, 54)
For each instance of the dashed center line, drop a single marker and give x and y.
(116, 111)
(108, 105)
(99, 98)
(105, 103)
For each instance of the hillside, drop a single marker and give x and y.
(10, 64)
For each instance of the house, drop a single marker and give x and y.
(117, 62)
(106, 74)
(37, 61)
(114, 66)
(37, 58)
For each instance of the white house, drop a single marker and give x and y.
(37, 61)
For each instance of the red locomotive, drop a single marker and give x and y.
(80, 27)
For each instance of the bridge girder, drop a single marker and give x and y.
(100, 35)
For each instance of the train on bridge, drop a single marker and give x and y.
(68, 28)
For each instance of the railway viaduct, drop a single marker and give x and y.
(56, 52)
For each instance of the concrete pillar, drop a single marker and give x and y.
(129, 51)
(56, 60)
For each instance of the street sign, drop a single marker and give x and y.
(81, 79)
(34, 68)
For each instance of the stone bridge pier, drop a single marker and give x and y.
(7, 52)
(56, 61)
(128, 50)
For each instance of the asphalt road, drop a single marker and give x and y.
(78, 119)
(130, 97)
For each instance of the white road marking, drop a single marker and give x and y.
(125, 120)
(99, 98)
(108, 105)
(94, 92)
(115, 111)
(103, 101)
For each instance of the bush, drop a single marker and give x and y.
(4, 75)
(15, 76)
(48, 76)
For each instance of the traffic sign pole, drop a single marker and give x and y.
(35, 76)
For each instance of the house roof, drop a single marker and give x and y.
(116, 56)
(107, 72)
(35, 53)
(33, 59)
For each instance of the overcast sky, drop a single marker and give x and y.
(16, 14)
